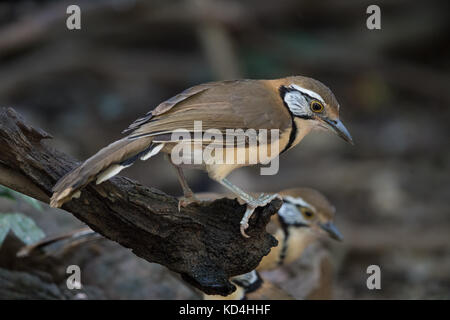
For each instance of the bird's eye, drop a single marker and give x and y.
(316, 106)
(308, 214)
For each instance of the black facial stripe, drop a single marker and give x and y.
(284, 248)
(288, 201)
(282, 90)
(285, 227)
(284, 223)
(292, 136)
(306, 117)
(309, 98)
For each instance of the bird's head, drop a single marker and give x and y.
(310, 100)
(308, 208)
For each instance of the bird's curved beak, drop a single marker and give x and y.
(332, 231)
(338, 128)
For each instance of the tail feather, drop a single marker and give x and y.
(64, 241)
(102, 166)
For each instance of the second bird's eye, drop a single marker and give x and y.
(308, 214)
(316, 106)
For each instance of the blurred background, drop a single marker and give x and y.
(391, 190)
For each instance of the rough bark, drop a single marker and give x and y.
(202, 242)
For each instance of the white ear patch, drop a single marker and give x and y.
(308, 92)
(298, 201)
(296, 103)
(290, 213)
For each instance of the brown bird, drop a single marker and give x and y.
(305, 215)
(292, 106)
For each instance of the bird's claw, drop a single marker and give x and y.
(262, 200)
(185, 201)
(244, 226)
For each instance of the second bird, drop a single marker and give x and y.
(305, 215)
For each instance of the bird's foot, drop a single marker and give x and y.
(262, 200)
(187, 200)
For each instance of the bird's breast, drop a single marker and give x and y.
(299, 239)
(301, 129)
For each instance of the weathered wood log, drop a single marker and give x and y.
(201, 242)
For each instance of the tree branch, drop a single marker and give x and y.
(202, 242)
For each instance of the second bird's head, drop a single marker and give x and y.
(310, 100)
(308, 210)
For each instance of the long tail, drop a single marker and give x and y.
(102, 166)
(60, 243)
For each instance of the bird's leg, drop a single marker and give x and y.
(252, 203)
(188, 194)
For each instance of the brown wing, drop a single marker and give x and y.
(240, 104)
(167, 105)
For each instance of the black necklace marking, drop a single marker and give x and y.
(283, 90)
(284, 248)
(285, 227)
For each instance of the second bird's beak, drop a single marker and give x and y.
(332, 231)
(338, 128)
